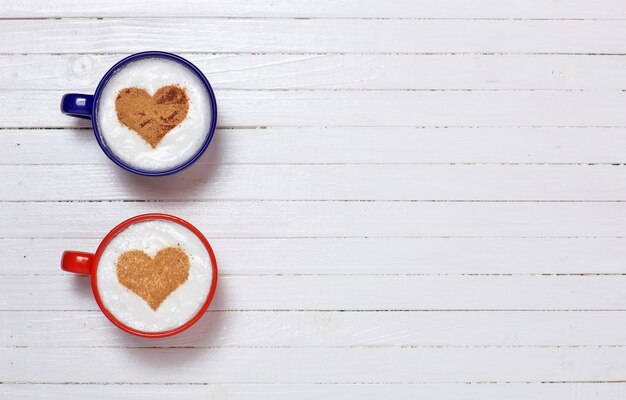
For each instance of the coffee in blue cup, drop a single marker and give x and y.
(153, 113)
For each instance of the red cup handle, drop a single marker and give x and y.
(77, 262)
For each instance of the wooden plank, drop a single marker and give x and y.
(60, 329)
(433, 391)
(330, 71)
(325, 219)
(460, 391)
(353, 292)
(347, 145)
(363, 256)
(218, 35)
(519, 84)
(609, 9)
(329, 365)
(32, 109)
(322, 182)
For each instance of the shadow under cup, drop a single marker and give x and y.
(88, 264)
(86, 106)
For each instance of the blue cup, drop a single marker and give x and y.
(86, 106)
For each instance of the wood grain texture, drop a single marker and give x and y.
(347, 145)
(63, 329)
(344, 365)
(332, 71)
(609, 9)
(435, 391)
(354, 292)
(323, 182)
(241, 256)
(407, 199)
(286, 219)
(217, 35)
(40, 109)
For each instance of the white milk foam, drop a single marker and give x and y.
(182, 304)
(182, 142)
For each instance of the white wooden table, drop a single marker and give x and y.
(408, 199)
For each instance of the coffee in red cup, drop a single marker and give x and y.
(153, 275)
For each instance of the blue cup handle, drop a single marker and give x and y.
(77, 105)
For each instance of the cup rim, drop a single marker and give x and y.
(114, 232)
(115, 68)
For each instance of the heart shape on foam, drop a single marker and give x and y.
(152, 117)
(153, 279)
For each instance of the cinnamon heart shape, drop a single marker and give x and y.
(152, 117)
(153, 279)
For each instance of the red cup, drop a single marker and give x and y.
(87, 264)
